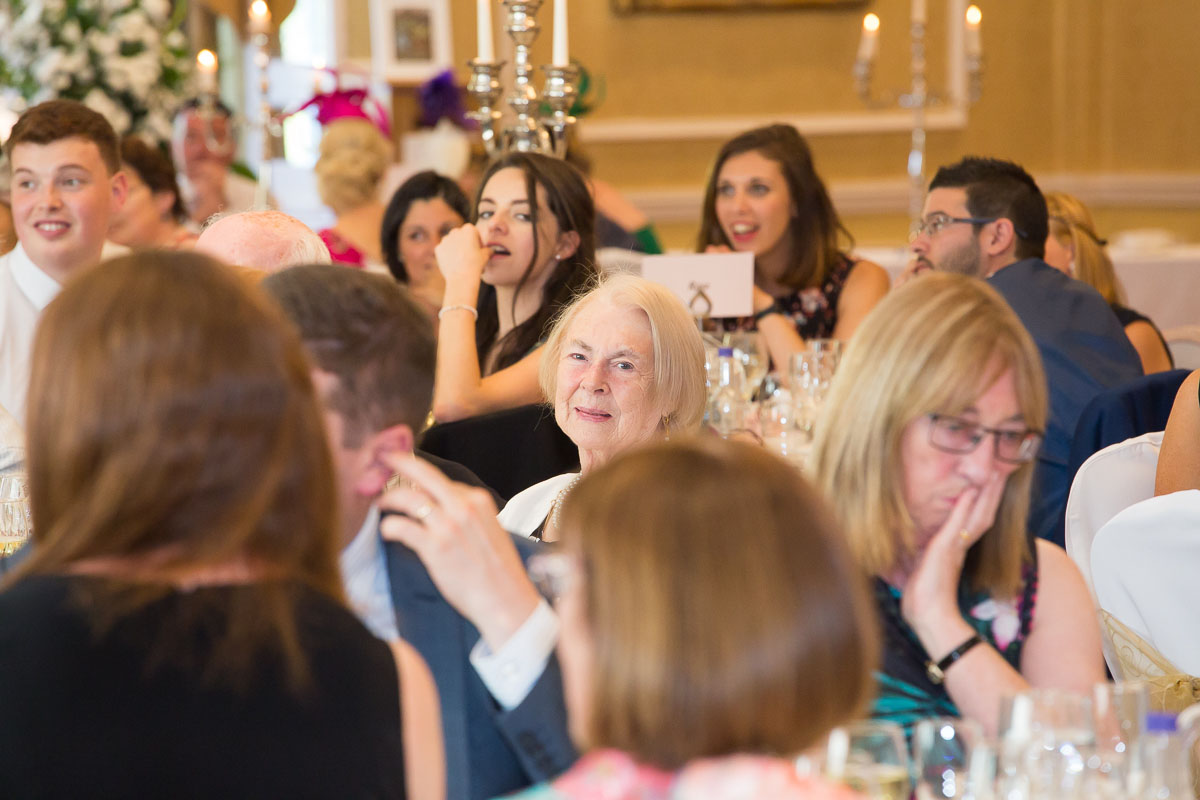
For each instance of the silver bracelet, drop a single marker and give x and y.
(459, 307)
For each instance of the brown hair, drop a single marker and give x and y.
(368, 332)
(568, 199)
(814, 228)
(173, 428)
(1072, 225)
(155, 169)
(726, 615)
(65, 119)
(930, 346)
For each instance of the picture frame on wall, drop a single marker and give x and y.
(410, 39)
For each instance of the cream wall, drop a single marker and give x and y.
(1097, 96)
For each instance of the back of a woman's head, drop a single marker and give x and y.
(354, 156)
(1072, 225)
(172, 419)
(725, 614)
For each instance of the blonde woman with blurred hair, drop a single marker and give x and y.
(1074, 248)
(354, 156)
(926, 453)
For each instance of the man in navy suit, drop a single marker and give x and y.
(986, 217)
(467, 606)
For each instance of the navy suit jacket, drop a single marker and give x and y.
(489, 751)
(1084, 351)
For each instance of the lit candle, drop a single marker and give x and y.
(869, 42)
(974, 42)
(918, 12)
(206, 67)
(260, 18)
(560, 34)
(483, 31)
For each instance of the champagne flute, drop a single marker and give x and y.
(869, 757)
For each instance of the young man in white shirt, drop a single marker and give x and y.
(66, 185)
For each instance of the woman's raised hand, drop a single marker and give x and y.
(930, 600)
(461, 255)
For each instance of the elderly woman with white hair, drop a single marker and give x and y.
(622, 366)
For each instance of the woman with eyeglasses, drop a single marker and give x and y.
(926, 454)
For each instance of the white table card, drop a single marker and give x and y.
(709, 284)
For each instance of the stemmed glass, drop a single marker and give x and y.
(869, 757)
(943, 750)
(1046, 737)
(751, 349)
(16, 525)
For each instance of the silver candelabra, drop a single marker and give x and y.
(918, 98)
(529, 130)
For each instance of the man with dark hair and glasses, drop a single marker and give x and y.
(987, 217)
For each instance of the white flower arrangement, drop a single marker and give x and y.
(124, 58)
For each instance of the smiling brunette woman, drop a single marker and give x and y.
(925, 453)
(623, 366)
(529, 251)
(764, 197)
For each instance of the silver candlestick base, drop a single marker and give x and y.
(529, 129)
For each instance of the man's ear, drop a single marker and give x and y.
(568, 243)
(120, 190)
(999, 237)
(397, 440)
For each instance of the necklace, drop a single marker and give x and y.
(558, 500)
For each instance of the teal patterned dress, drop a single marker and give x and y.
(905, 694)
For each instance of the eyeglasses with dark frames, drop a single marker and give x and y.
(936, 223)
(957, 435)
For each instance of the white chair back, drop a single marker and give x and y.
(1145, 562)
(1184, 344)
(1110, 480)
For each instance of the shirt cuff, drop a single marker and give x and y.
(511, 673)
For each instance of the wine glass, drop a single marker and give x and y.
(943, 748)
(1119, 711)
(16, 525)
(869, 757)
(1046, 739)
(751, 349)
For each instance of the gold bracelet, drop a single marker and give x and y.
(459, 307)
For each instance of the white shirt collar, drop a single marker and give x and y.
(39, 287)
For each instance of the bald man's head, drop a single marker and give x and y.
(264, 240)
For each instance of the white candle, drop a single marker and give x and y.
(869, 42)
(483, 31)
(260, 18)
(918, 12)
(560, 34)
(974, 42)
(206, 68)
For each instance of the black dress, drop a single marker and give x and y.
(88, 717)
(1128, 316)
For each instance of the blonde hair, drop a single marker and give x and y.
(726, 614)
(354, 156)
(678, 349)
(930, 346)
(1072, 225)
